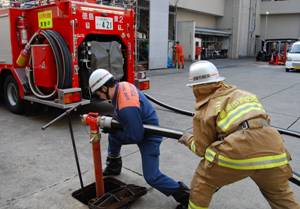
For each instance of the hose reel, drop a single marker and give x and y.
(63, 63)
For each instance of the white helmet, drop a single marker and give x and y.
(203, 72)
(98, 78)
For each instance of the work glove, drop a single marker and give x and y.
(184, 139)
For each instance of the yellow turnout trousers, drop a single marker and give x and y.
(273, 183)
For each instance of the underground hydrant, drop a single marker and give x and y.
(110, 192)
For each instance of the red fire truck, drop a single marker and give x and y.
(48, 51)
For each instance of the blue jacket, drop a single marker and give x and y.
(132, 109)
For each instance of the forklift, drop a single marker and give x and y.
(274, 51)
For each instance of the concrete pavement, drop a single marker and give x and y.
(37, 168)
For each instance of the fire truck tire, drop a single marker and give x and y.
(11, 96)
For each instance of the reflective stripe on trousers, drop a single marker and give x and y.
(193, 206)
(247, 164)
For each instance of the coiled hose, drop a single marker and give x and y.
(63, 63)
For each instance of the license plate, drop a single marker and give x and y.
(104, 23)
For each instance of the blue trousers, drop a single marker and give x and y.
(149, 149)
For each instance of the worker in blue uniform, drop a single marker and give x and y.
(132, 110)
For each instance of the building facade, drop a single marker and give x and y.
(280, 19)
(224, 28)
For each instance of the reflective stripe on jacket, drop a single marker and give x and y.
(247, 164)
(220, 111)
(237, 110)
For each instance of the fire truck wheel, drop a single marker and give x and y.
(11, 96)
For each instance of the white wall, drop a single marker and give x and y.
(241, 18)
(230, 22)
(226, 22)
(243, 29)
(281, 26)
(201, 19)
(280, 7)
(158, 38)
(186, 36)
(215, 7)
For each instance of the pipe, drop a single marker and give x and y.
(68, 114)
(61, 116)
(106, 122)
(75, 150)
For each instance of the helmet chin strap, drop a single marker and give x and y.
(107, 94)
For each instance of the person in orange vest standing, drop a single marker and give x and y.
(197, 51)
(179, 56)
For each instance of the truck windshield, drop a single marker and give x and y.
(295, 48)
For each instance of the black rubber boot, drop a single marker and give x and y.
(113, 166)
(182, 196)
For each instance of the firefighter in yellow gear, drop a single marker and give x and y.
(231, 132)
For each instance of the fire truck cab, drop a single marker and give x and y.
(48, 51)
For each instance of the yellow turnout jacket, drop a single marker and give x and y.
(231, 128)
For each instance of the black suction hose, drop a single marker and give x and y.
(295, 178)
(169, 133)
(177, 110)
(187, 113)
(109, 123)
(149, 129)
